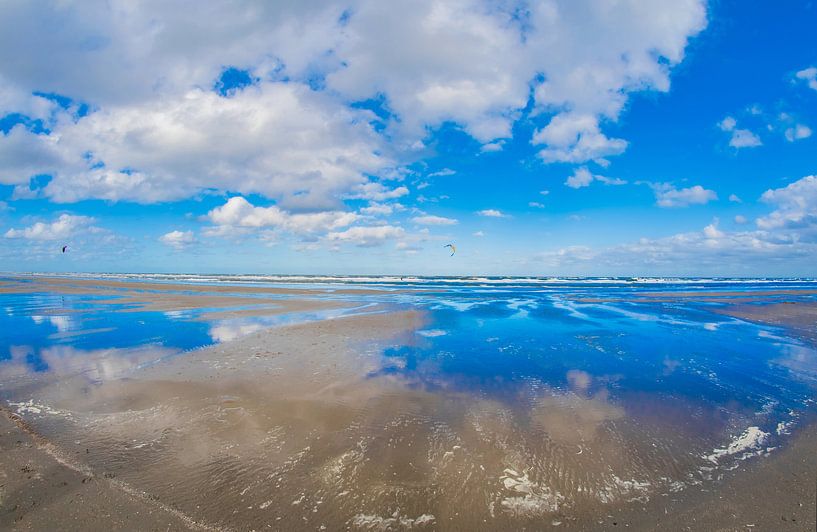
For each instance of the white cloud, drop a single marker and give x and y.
(281, 140)
(238, 214)
(24, 154)
(712, 231)
(536, 205)
(707, 252)
(734, 198)
(743, 138)
(479, 234)
(367, 236)
(378, 192)
(178, 239)
(43, 240)
(437, 61)
(492, 147)
(492, 213)
(809, 75)
(610, 180)
(16, 100)
(797, 132)
(583, 178)
(796, 208)
(64, 227)
(380, 209)
(728, 124)
(409, 249)
(544, 192)
(576, 138)
(786, 238)
(668, 196)
(128, 53)
(739, 138)
(155, 130)
(442, 173)
(144, 70)
(433, 220)
(740, 219)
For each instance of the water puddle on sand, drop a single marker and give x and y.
(459, 410)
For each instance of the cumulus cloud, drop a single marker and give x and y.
(796, 208)
(281, 140)
(378, 192)
(367, 236)
(433, 220)
(156, 132)
(239, 215)
(709, 251)
(575, 138)
(728, 124)
(492, 213)
(734, 198)
(471, 62)
(64, 227)
(668, 196)
(17, 100)
(808, 75)
(442, 173)
(583, 178)
(380, 209)
(798, 132)
(312, 230)
(739, 138)
(88, 50)
(786, 238)
(492, 147)
(743, 138)
(711, 231)
(42, 240)
(24, 154)
(580, 178)
(178, 239)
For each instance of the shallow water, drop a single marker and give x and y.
(512, 402)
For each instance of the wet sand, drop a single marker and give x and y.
(777, 493)
(38, 492)
(43, 489)
(732, 293)
(797, 317)
(22, 283)
(296, 428)
(144, 296)
(730, 297)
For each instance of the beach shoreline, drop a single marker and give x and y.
(307, 377)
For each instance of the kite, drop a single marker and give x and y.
(64, 248)
(453, 248)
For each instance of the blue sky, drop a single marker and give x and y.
(561, 138)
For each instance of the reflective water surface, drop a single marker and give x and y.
(470, 404)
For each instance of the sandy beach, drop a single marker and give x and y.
(408, 266)
(301, 426)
